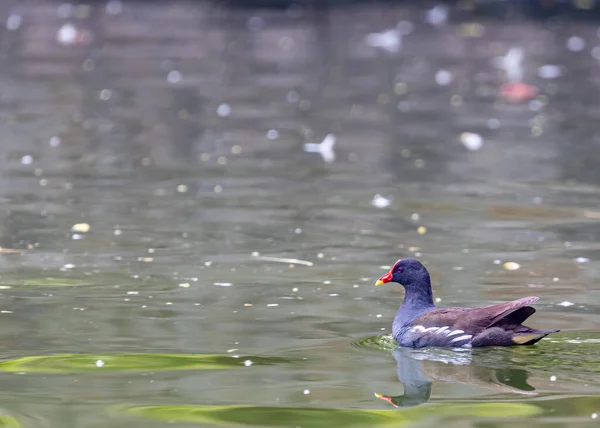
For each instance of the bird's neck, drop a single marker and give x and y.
(418, 297)
(417, 300)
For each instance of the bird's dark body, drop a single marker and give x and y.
(419, 323)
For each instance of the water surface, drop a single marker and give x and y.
(154, 187)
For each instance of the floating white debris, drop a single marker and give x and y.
(324, 148)
(493, 123)
(67, 34)
(13, 22)
(575, 44)
(224, 110)
(594, 415)
(284, 260)
(55, 142)
(272, 134)
(421, 230)
(272, 305)
(553, 378)
(512, 64)
(27, 160)
(81, 228)
(99, 363)
(549, 71)
(174, 76)
(306, 391)
(68, 266)
(471, 140)
(437, 15)
(248, 363)
(566, 304)
(378, 316)
(511, 266)
(6, 312)
(380, 201)
(255, 23)
(133, 293)
(292, 97)
(582, 260)
(443, 77)
(114, 7)
(389, 40)
(185, 285)
(223, 284)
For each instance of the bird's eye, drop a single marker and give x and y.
(400, 270)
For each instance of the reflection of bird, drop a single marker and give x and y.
(417, 369)
(324, 148)
(419, 324)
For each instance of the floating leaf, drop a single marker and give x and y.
(8, 421)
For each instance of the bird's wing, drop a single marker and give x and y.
(456, 327)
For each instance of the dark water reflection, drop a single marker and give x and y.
(175, 132)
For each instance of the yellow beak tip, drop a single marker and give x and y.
(379, 282)
(378, 395)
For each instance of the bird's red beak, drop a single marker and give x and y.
(386, 398)
(385, 278)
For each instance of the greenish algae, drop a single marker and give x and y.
(322, 417)
(78, 363)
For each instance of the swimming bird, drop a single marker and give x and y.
(419, 323)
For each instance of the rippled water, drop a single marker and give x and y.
(227, 275)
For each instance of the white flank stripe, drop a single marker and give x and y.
(442, 330)
(455, 332)
(463, 337)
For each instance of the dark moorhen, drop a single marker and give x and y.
(419, 324)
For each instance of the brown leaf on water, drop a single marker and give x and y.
(10, 251)
(531, 212)
(591, 214)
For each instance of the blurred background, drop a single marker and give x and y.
(198, 196)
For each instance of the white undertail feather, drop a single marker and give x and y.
(461, 338)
